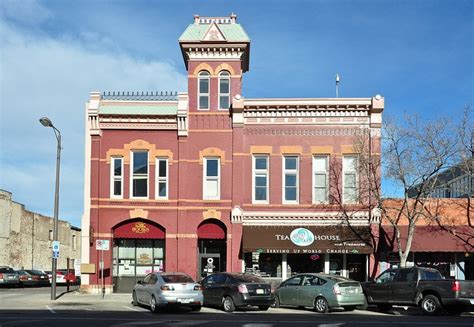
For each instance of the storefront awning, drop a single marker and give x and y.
(307, 239)
(430, 239)
(139, 229)
(211, 231)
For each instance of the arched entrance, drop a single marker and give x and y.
(212, 247)
(139, 248)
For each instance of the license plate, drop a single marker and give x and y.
(260, 291)
(184, 300)
(351, 291)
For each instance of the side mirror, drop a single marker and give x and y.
(140, 282)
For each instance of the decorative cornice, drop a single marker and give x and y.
(295, 131)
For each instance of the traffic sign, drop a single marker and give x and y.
(55, 254)
(55, 246)
(102, 245)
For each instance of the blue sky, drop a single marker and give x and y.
(418, 54)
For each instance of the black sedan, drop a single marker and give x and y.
(233, 290)
(41, 277)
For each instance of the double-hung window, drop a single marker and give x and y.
(203, 90)
(351, 179)
(320, 179)
(161, 190)
(211, 183)
(116, 180)
(260, 169)
(224, 90)
(290, 179)
(139, 169)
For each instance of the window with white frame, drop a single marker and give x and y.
(351, 179)
(211, 181)
(320, 179)
(116, 180)
(224, 90)
(161, 178)
(139, 173)
(203, 90)
(260, 170)
(290, 179)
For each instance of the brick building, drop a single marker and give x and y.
(208, 180)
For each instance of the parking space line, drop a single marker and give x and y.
(133, 309)
(50, 310)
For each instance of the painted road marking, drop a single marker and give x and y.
(50, 310)
(133, 309)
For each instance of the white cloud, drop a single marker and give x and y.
(42, 76)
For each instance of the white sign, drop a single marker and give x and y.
(102, 245)
(55, 246)
(302, 237)
(77, 267)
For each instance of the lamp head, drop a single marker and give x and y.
(46, 122)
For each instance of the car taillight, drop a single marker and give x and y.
(197, 287)
(242, 288)
(336, 290)
(167, 288)
(455, 286)
(1, 276)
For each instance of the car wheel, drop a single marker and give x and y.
(430, 304)
(321, 305)
(384, 307)
(263, 307)
(228, 304)
(196, 308)
(153, 305)
(276, 303)
(134, 299)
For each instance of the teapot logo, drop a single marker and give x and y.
(302, 237)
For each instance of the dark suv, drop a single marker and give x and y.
(232, 290)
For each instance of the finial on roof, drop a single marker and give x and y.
(196, 19)
(233, 17)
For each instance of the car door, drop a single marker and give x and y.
(150, 287)
(308, 290)
(381, 289)
(219, 288)
(404, 286)
(208, 288)
(140, 288)
(288, 292)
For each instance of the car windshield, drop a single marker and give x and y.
(248, 278)
(177, 278)
(6, 270)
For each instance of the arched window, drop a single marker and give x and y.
(224, 90)
(203, 90)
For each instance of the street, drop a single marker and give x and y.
(24, 307)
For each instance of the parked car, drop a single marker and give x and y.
(27, 279)
(43, 277)
(424, 287)
(66, 276)
(161, 289)
(233, 290)
(9, 277)
(319, 291)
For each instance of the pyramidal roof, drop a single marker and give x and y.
(214, 29)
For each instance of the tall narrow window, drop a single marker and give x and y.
(203, 90)
(73, 241)
(260, 179)
(320, 179)
(290, 179)
(116, 178)
(224, 90)
(211, 183)
(351, 179)
(139, 167)
(161, 178)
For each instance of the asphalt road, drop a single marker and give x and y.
(32, 306)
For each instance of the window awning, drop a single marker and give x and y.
(139, 229)
(211, 230)
(430, 239)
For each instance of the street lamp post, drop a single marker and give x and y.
(47, 123)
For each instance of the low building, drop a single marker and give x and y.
(26, 238)
(443, 237)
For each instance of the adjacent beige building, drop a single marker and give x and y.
(26, 237)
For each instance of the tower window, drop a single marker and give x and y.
(203, 90)
(224, 90)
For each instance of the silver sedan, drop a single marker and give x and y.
(158, 290)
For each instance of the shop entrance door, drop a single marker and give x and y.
(208, 263)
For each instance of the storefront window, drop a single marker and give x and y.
(305, 263)
(138, 257)
(263, 264)
(443, 262)
(335, 264)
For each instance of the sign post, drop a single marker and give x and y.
(102, 245)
